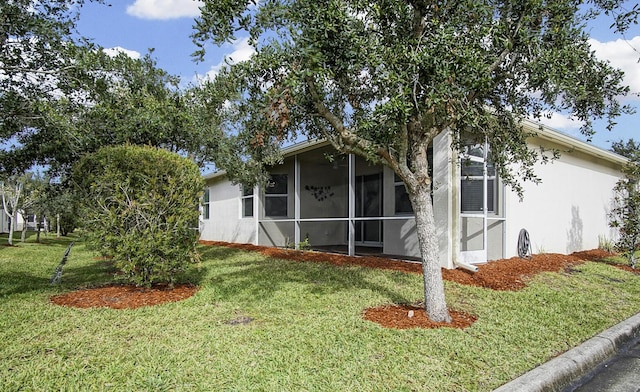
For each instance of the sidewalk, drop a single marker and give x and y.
(561, 372)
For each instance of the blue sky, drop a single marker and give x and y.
(165, 25)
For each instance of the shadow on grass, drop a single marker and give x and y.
(259, 277)
(14, 282)
(219, 252)
(30, 239)
(20, 282)
(29, 266)
(236, 274)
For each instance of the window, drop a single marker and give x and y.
(247, 202)
(276, 196)
(472, 181)
(205, 204)
(402, 202)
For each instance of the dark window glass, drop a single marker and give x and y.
(275, 206)
(277, 185)
(471, 195)
(205, 204)
(276, 196)
(247, 202)
(402, 202)
(247, 206)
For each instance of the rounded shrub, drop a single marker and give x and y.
(141, 207)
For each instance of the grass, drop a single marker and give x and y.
(307, 331)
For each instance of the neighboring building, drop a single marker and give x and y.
(348, 205)
(4, 221)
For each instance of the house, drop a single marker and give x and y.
(4, 222)
(343, 203)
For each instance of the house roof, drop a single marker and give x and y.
(573, 143)
(287, 151)
(537, 129)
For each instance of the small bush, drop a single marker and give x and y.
(606, 244)
(141, 207)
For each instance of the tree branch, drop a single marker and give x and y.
(36, 71)
(346, 137)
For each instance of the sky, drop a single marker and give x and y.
(135, 26)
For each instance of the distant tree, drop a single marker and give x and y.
(11, 198)
(36, 201)
(141, 207)
(138, 104)
(62, 208)
(31, 193)
(382, 78)
(625, 214)
(23, 195)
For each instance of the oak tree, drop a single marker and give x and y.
(382, 78)
(41, 58)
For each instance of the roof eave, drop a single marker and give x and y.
(573, 143)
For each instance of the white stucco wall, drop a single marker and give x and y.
(225, 222)
(4, 222)
(568, 210)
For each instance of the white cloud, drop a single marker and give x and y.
(242, 51)
(561, 122)
(113, 52)
(164, 9)
(622, 54)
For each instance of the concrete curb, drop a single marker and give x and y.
(561, 371)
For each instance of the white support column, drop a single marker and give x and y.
(445, 199)
(256, 214)
(296, 201)
(485, 188)
(352, 205)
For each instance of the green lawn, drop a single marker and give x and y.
(307, 331)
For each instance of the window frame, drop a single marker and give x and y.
(206, 204)
(491, 191)
(246, 196)
(269, 194)
(397, 182)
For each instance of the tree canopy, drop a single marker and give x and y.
(382, 78)
(138, 103)
(61, 96)
(39, 59)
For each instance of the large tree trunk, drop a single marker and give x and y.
(13, 202)
(434, 300)
(12, 227)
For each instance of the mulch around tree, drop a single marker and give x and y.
(506, 274)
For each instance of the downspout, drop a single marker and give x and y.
(467, 266)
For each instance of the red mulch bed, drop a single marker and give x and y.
(124, 296)
(508, 274)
